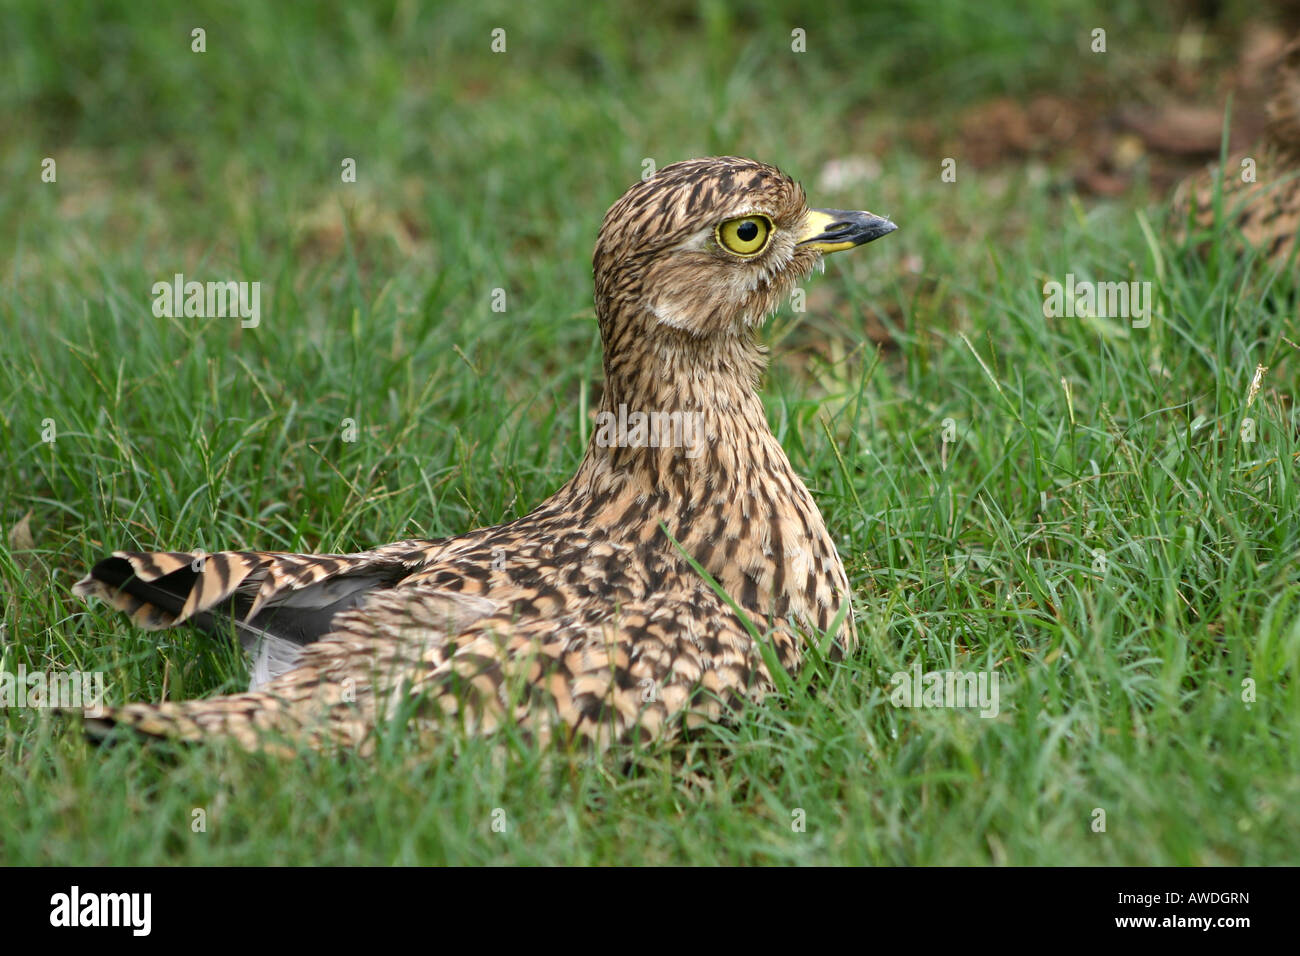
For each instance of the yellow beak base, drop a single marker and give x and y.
(831, 230)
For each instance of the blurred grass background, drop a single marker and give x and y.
(478, 170)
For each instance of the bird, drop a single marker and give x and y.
(1259, 191)
(656, 590)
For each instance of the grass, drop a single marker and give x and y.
(1097, 532)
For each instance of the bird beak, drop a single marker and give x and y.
(830, 230)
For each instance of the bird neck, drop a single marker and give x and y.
(680, 414)
(722, 485)
(715, 378)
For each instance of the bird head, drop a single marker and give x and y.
(710, 246)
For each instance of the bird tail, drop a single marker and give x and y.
(310, 683)
(276, 603)
(158, 589)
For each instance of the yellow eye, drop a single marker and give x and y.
(746, 236)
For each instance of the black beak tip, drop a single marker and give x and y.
(885, 227)
(865, 227)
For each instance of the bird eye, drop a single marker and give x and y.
(746, 236)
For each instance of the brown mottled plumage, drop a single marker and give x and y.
(1267, 209)
(582, 619)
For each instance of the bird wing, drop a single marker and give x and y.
(412, 653)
